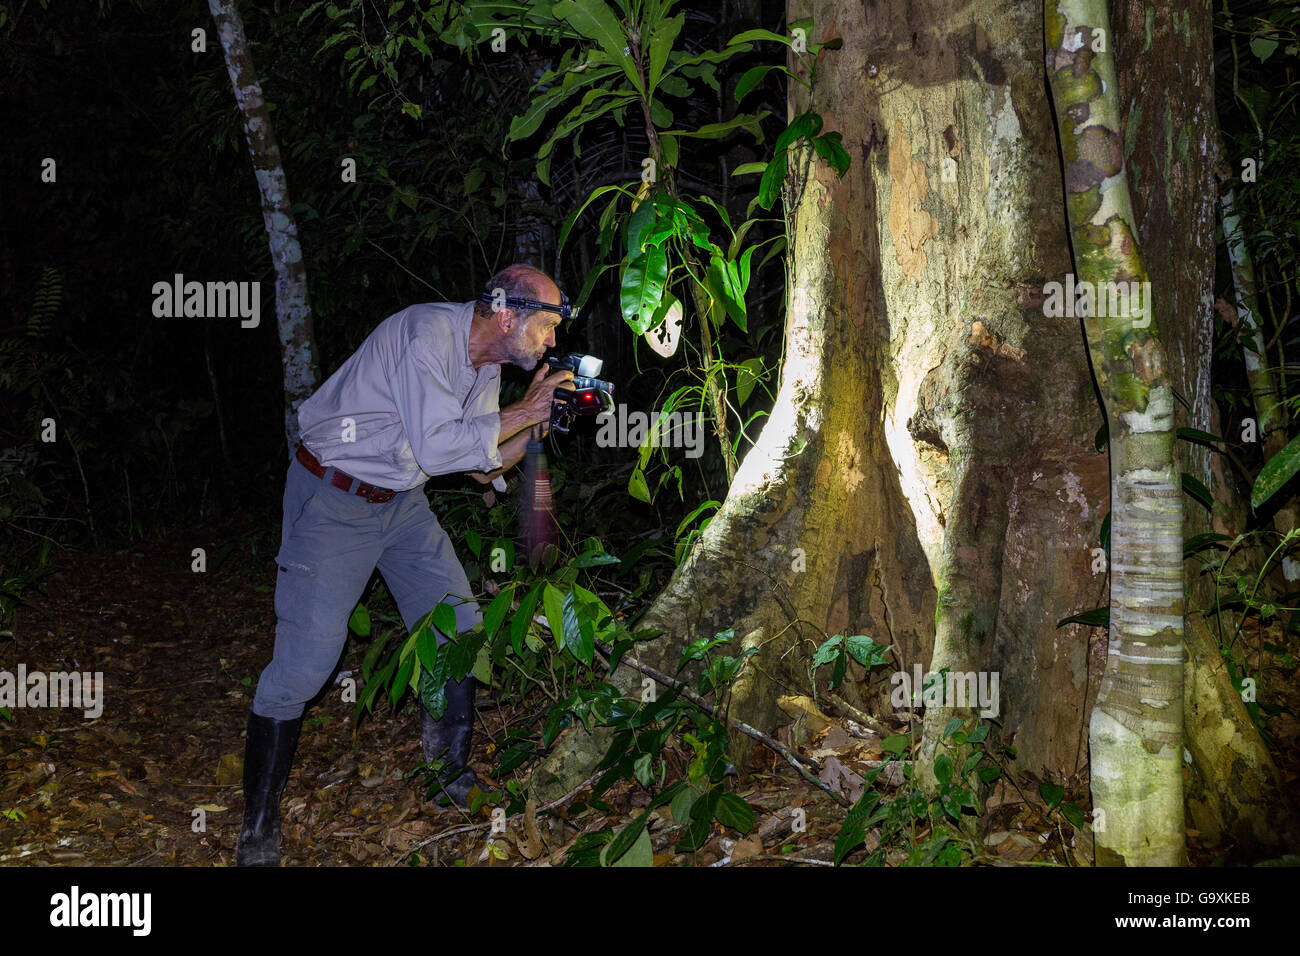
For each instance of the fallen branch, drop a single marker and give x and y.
(469, 828)
(795, 761)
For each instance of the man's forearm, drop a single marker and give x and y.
(514, 419)
(512, 449)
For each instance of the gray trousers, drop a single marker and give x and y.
(330, 543)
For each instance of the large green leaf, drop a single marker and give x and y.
(638, 228)
(1277, 471)
(643, 287)
(596, 21)
(662, 34)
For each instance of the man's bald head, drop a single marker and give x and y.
(519, 281)
(511, 333)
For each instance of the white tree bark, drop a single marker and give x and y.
(292, 309)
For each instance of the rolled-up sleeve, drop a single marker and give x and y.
(444, 436)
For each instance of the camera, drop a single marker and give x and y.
(589, 395)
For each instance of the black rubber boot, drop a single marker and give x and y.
(267, 758)
(448, 740)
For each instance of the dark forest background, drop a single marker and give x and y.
(170, 422)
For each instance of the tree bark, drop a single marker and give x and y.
(1137, 724)
(292, 309)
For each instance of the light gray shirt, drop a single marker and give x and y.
(408, 404)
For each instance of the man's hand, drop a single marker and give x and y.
(541, 393)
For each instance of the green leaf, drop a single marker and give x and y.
(637, 229)
(426, 648)
(573, 216)
(718, 130)
(553, 602)
(1200, 542)
(496, 612)
(952, 727)
(662, 34)
(1276, 472)
(636, 486)
(804, 126)
(854, 829)
(359, 622)
(866, 651)
(643, 288)
(769, 188)
(751, 35)
(734, 812)
(1097, 617)
(1262, 47)
(668, 149)
(1193, 487)
(629, 836)
(722, 284)
(943, 767)
(828, 652)
(1073, 813)
(1205, 438)
(444, 619)
(752, 77)
(746, 169)
(1052, 793)
(829, 148)
(747, 375)
(596, 21)
(523, 618)
(894, 745)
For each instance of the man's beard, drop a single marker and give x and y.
(515, 351)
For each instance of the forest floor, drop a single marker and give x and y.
(156, 779)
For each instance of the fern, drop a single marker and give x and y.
(49, 295)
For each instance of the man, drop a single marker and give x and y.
(418, 398)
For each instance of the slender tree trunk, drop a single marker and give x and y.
(293, 312)
(1270, 412)
(1137, 724)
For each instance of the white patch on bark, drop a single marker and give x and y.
(1074, 492)
(1158, 417)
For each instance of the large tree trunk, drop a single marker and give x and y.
(930, 444)
(293, 313)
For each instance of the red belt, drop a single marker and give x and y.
(343, 480)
